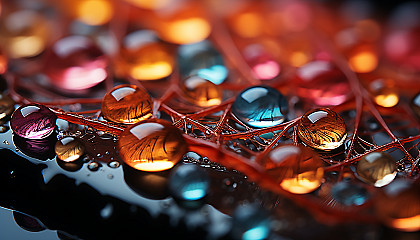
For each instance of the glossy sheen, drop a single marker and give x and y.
(260, 106)
(384, 92)
(250, 222)
(23, 33)
(185, 24)
(376, 168)
(76, 63)
(397, 205)
(127, 104)
(147, 61)
(41, 149)
(7, 106)
(69, 149)
(153, 145)
(296, 168)
(349, 194)
(262, 62)
(322, 84)
(322, 129)
(415, 105)
(189, 182)
(202, 92)
(203, 60)
(33, 121)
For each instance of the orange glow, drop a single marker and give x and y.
(155, 166)
(363, 62)
(303, 183)
(186, 30)
(24, 34)
(152, 61)
(149, 4)
(248, 25)
(26, 46)
(410, 224)
(151, 71)
(94, 12)
(3, 64)
(388, 99)
(298, 59)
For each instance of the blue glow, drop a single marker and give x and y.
(259, 232)
(215, 74)
(195, 191)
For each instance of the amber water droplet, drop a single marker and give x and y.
(33, 121)
(7, 106)
(23, 33)
(91, 12)
(296, 168)
(321, 83)
(384, 92)
(144, 58)
(69, 149)
(376, 168)
(152, 145)
(322, 129)
(187, 24)
(397, 205)
(202, 92)
(127, 104)
(75, 63)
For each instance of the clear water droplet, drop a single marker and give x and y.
(114, 164)
(93, 166)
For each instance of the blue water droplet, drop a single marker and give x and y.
(204, 60)
(349, 194)
(260, 106)
(189, 182)
(250, 222)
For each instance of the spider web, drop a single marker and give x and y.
(216, 133)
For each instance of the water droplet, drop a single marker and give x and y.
(127, 104)
(260, 106)
(114, 164)
(376, 168)
(94, 166)
(349, 194)
(76, 63)
(33, 121)
(69, 149)
(250, 222)
(229, 184)
(202, 92)
(3, 128)
(153, 145)
(6, 142)
(296, 168)
(107, 211)
(99, 155)
(203, 60)
(322, 129)
(189, 182)
(110, 176)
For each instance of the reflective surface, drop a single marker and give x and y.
(127, 104)
(296, 168)
(33, 121)
(377, 168)
(260, 106)
(322, 129)
(153, 145)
